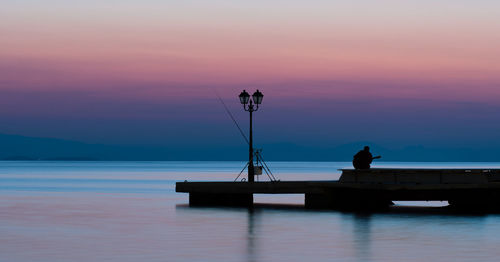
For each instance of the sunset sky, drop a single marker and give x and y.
(394, 73)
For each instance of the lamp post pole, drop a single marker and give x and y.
(251, 174)
(253, 105)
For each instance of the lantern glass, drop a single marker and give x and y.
(257, 97)
(244, 97)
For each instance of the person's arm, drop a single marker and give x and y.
(377, 157)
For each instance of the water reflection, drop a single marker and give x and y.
(252, 235)
(291, 232)
(139, 217)
(362, 236)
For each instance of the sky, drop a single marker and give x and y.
(147, 73)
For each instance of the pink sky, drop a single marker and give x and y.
(237, 43)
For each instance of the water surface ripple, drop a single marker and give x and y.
(128, 211)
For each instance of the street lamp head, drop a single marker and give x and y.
(257, 97)
(244, 97)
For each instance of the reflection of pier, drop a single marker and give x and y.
(362, 189)
(362, 237)
(252, 242)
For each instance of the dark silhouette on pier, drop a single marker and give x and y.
(363, 159)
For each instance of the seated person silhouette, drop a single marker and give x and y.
(363, 159)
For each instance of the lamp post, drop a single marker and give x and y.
(245, 99)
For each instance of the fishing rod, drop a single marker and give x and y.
(257, 153)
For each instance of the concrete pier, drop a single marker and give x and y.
(365, 189)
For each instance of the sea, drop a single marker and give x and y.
(128, 211)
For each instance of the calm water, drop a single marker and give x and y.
(128, 211)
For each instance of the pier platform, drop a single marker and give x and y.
(362, 189)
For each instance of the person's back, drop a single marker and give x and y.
(363, 159)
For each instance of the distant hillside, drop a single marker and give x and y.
(14, 147)
(406, 154)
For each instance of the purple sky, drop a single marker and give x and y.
(394, 73)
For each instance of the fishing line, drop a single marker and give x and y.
(232, 117)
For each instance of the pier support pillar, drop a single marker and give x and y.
(220, 199)
(346, 200)
(320, 201)
(475, 200)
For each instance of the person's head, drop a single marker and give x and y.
(367, 148)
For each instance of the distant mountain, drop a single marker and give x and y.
(19, 158)
(14, 147)
(344, 152)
